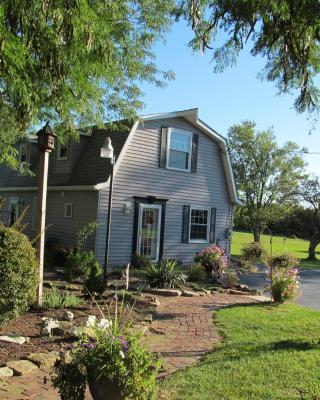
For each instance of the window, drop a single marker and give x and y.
(179, 150)
(68, 210)
(23, 152)
(62, 151)
(14, 210)
(199, 225)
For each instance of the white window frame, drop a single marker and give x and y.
(59, 149)
(184, 132)
(21, 146)
(208, 224)
(157, 207)
(66, 205)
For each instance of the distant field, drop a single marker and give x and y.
(297, 247)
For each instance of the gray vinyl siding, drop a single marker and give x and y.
(63, 229)
(139, 175)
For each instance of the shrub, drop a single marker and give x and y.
(214, 259)
(54, 299)
(139, 261)
(197, 273)
(252, 251)
(284, 260)
(79, 264)
(230, 279)
(18, 273)
(166, 274)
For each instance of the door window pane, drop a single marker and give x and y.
(149, 232)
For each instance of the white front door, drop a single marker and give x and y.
(149, 231)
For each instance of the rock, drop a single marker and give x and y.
(68, 315)
(142, 329)
(5, 372)
(22, 367)
(256, 292)
(43, 360)
(71, 287)
(11, 338)
(243, 288)
(47, 326)
(64, 328)
(77, 331)
(166, 292)
(148, 318)
(189, 293)
(236, 292)
(261, 299)
(48, 284)
(217, 289)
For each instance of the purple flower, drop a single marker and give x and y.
(70, 347)
(115, 297)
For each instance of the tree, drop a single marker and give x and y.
(285, 32)
(310, 220)
(266, 174)
(74, 63)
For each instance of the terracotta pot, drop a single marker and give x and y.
(103, 389)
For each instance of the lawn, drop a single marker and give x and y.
(269, 352)
(297, 247)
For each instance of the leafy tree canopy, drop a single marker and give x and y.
(74, 63)
(285, 32)
(266, 174)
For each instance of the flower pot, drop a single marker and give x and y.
(276, 294)
(103, 388)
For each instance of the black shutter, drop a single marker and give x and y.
(135, 227)
(213, 215)
(194, 155)
(185, 224)
(163, 148)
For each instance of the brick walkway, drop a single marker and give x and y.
(182, 331)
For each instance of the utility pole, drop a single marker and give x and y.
(46, 139)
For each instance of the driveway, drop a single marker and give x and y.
(309, 285)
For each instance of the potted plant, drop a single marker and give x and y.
(110, 359)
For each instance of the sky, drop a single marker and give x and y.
(227, 98)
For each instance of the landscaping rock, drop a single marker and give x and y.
(148, 318)
(166, 292)
(47, 326)
(189, 293)
(43, 360)
(11, 338)
(64, 328)
(142, 329)
(22, 367)
(5, 372)
(68, 315)
(217, 290)
(236, 292)
(71, 287)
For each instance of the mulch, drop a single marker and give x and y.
(29, 323)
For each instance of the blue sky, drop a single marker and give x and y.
(227, 98)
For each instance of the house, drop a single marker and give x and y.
(174, 190)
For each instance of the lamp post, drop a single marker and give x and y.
(107, 152)
(46, 139)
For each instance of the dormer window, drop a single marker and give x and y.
(179, 147)
(23, 152)
(63, 150)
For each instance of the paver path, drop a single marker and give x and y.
(182, 332)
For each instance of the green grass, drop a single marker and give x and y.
(269, 353)
(297, 247)
(54, 299)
